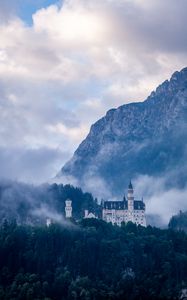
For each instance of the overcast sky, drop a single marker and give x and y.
(64, 64)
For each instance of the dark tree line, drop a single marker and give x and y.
(91, 260)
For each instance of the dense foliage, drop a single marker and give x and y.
(179, 222)
(91, 260)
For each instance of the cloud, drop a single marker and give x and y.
(44, 212)
(7, 10)
(28, 204)
(77, 60)
(161, 201)
(30, 165)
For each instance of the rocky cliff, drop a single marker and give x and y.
(135, 139)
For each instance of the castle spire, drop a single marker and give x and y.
(130, 185)
(130, 197)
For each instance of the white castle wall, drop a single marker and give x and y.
(116, 216)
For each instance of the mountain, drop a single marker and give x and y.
(144, 138)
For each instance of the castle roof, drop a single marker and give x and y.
(90, 216)
(130, 186)
(123, 205)
(118, 205)
(139, 205)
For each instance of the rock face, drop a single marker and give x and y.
(148, 137)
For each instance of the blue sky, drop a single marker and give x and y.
(63, 67)
(27, 8)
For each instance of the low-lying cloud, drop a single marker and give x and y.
(29, 204)
(48, 213)
(30, 165)
(161, 200)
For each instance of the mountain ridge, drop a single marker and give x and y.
(136, 139)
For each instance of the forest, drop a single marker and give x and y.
(91, 260)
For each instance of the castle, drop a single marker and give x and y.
(116, 212)
(126, 210)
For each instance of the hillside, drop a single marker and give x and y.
(92, 260)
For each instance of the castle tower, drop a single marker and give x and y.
(130, 197)
(86, 213)
(68, 208)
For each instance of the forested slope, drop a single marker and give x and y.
(91, 260)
